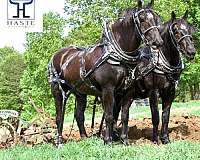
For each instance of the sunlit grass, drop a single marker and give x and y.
(93, 148)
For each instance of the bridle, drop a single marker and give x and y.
(174, 40)
(137, 23)
(162, 65)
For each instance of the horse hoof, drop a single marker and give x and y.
(155, 142)
(115, 136)
(83, 136)
(165, 140)
(59, 146)
(125, 142)
(107, 142)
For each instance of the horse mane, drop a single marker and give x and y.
(128, 12)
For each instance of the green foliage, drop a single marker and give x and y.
(94, 149)
(190, 82)
(39, 48)
(11, 69)
(6, 51)
(85, 20)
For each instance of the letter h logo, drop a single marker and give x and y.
(23, 9)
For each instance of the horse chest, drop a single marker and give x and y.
(156, 81)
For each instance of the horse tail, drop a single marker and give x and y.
(94, 109)
(52, 74)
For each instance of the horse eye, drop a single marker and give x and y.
(175, 28)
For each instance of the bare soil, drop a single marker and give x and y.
(140, 130)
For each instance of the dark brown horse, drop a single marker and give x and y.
(101, 70)
(157, 74)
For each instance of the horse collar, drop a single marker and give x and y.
(114, 49)
(162, 64)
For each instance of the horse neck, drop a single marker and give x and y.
(125, 34)
(169, 50)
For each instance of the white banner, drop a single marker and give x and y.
(4, 114)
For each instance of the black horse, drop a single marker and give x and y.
(156, 75)
(101, 69)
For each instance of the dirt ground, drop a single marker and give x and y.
(140, 131)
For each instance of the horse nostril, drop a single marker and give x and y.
(158, 43)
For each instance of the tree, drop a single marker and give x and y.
(39, 49)
(11, 69)
(189, 87)
(6, 51)
(85, 21)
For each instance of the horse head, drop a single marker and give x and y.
(147, 23)
(137, 24)
(181, 33)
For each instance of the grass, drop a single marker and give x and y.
(93, 148)
(188, 108)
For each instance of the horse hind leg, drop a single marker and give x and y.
(58, 97)
(81, 101)
(126, 102)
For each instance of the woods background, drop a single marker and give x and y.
(24, 75)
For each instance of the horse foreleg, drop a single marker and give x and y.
(154, 115)
(167, 99)
(81, 101)
(108, 104)
(57, 94)
(124, 118)
(116, 111)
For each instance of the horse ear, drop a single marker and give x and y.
(173, 15)
(140, 3)
(185, 15)
(151, 4)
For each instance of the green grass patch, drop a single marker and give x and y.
(93, 148)
(188, 108)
